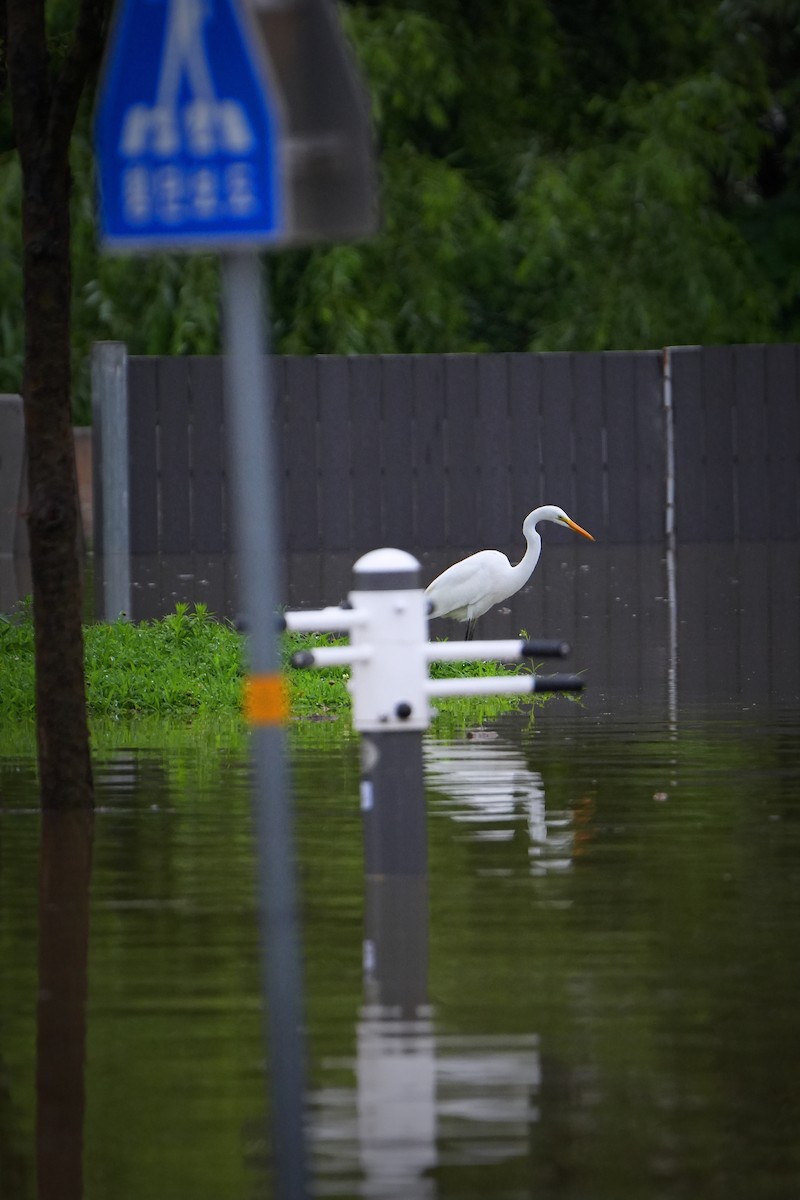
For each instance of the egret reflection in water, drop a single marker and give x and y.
(489, 787)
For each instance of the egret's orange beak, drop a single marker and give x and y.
(577, 528)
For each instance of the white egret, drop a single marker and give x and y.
(471, 587)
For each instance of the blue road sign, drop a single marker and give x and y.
(187, 130)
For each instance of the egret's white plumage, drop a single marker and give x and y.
(471, 587)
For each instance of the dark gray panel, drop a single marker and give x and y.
(303, 528)
(783, 423)
(719, 636)
(461, 399)
(556, 437)
(334, 452)
(752, 508)
(650, 454)
(304, 580)
(527, 477)
(621, 435)
(142, 444)
(718, 405)
(651, 619)
(691, 620)
(495, 521)
(590, 465)
(429, 463)
(623, 618)
(209, 515)
(365, 425)
(275, 369)
(210, 585)
(784, 620)
(148, 601)
(12, 466)
(173, 455)
(397, 441)
(689, 427)
(585, 628)
(336, 577)
(754, 626)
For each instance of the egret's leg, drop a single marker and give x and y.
(470, 629)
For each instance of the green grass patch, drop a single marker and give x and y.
(189, 666)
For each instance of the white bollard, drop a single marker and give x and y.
(389, 654)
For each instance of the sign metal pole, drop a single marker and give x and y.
(249, 401)
(198, 104)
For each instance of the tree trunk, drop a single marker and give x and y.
(45, 92)
(63, 737)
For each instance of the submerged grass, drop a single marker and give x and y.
(190, 665)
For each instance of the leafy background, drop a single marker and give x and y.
(555, 175)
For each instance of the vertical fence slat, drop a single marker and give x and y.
(12, 471)
(718, 412)
(784, 578)
(429, 465)
(461, 395)
(752, 518)
(619, 394)
(209, 523)
(650, 452)
(557, 453)
(524, 385)
(687, 407)
(691, 618)
(719, 631)
(276, 364)
(174, 418)
(753, 573)
(334, 453)
(303, 527)
(365, 425)
(396, 449)
(142, 440)
(620, 632)
(495, 524)
(783, 423)
(587, 383)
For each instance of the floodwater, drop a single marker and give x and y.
(600, 1002)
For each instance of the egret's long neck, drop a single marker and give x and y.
(524, 568)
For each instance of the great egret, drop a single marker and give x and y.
(469, 588)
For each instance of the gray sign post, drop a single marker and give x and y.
(247, 387)
(231, 127)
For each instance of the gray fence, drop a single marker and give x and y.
(449, 452)
(737, 442)
(453, 450)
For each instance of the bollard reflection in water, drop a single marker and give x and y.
(396, 1060)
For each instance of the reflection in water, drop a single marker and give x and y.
(490, 788)
(506, 1027)
(424, 1103)
(395, 1056)
(423, 1100)
(65, 872)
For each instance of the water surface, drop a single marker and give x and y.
(601, 1003)
(593, 995)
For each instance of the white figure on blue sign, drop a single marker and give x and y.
(202, 128)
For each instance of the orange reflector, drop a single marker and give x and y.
(266, 701)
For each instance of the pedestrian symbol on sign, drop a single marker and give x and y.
(185, 132)
(209, 124)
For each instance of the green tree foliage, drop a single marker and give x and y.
(571, 174)
(624, 241)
